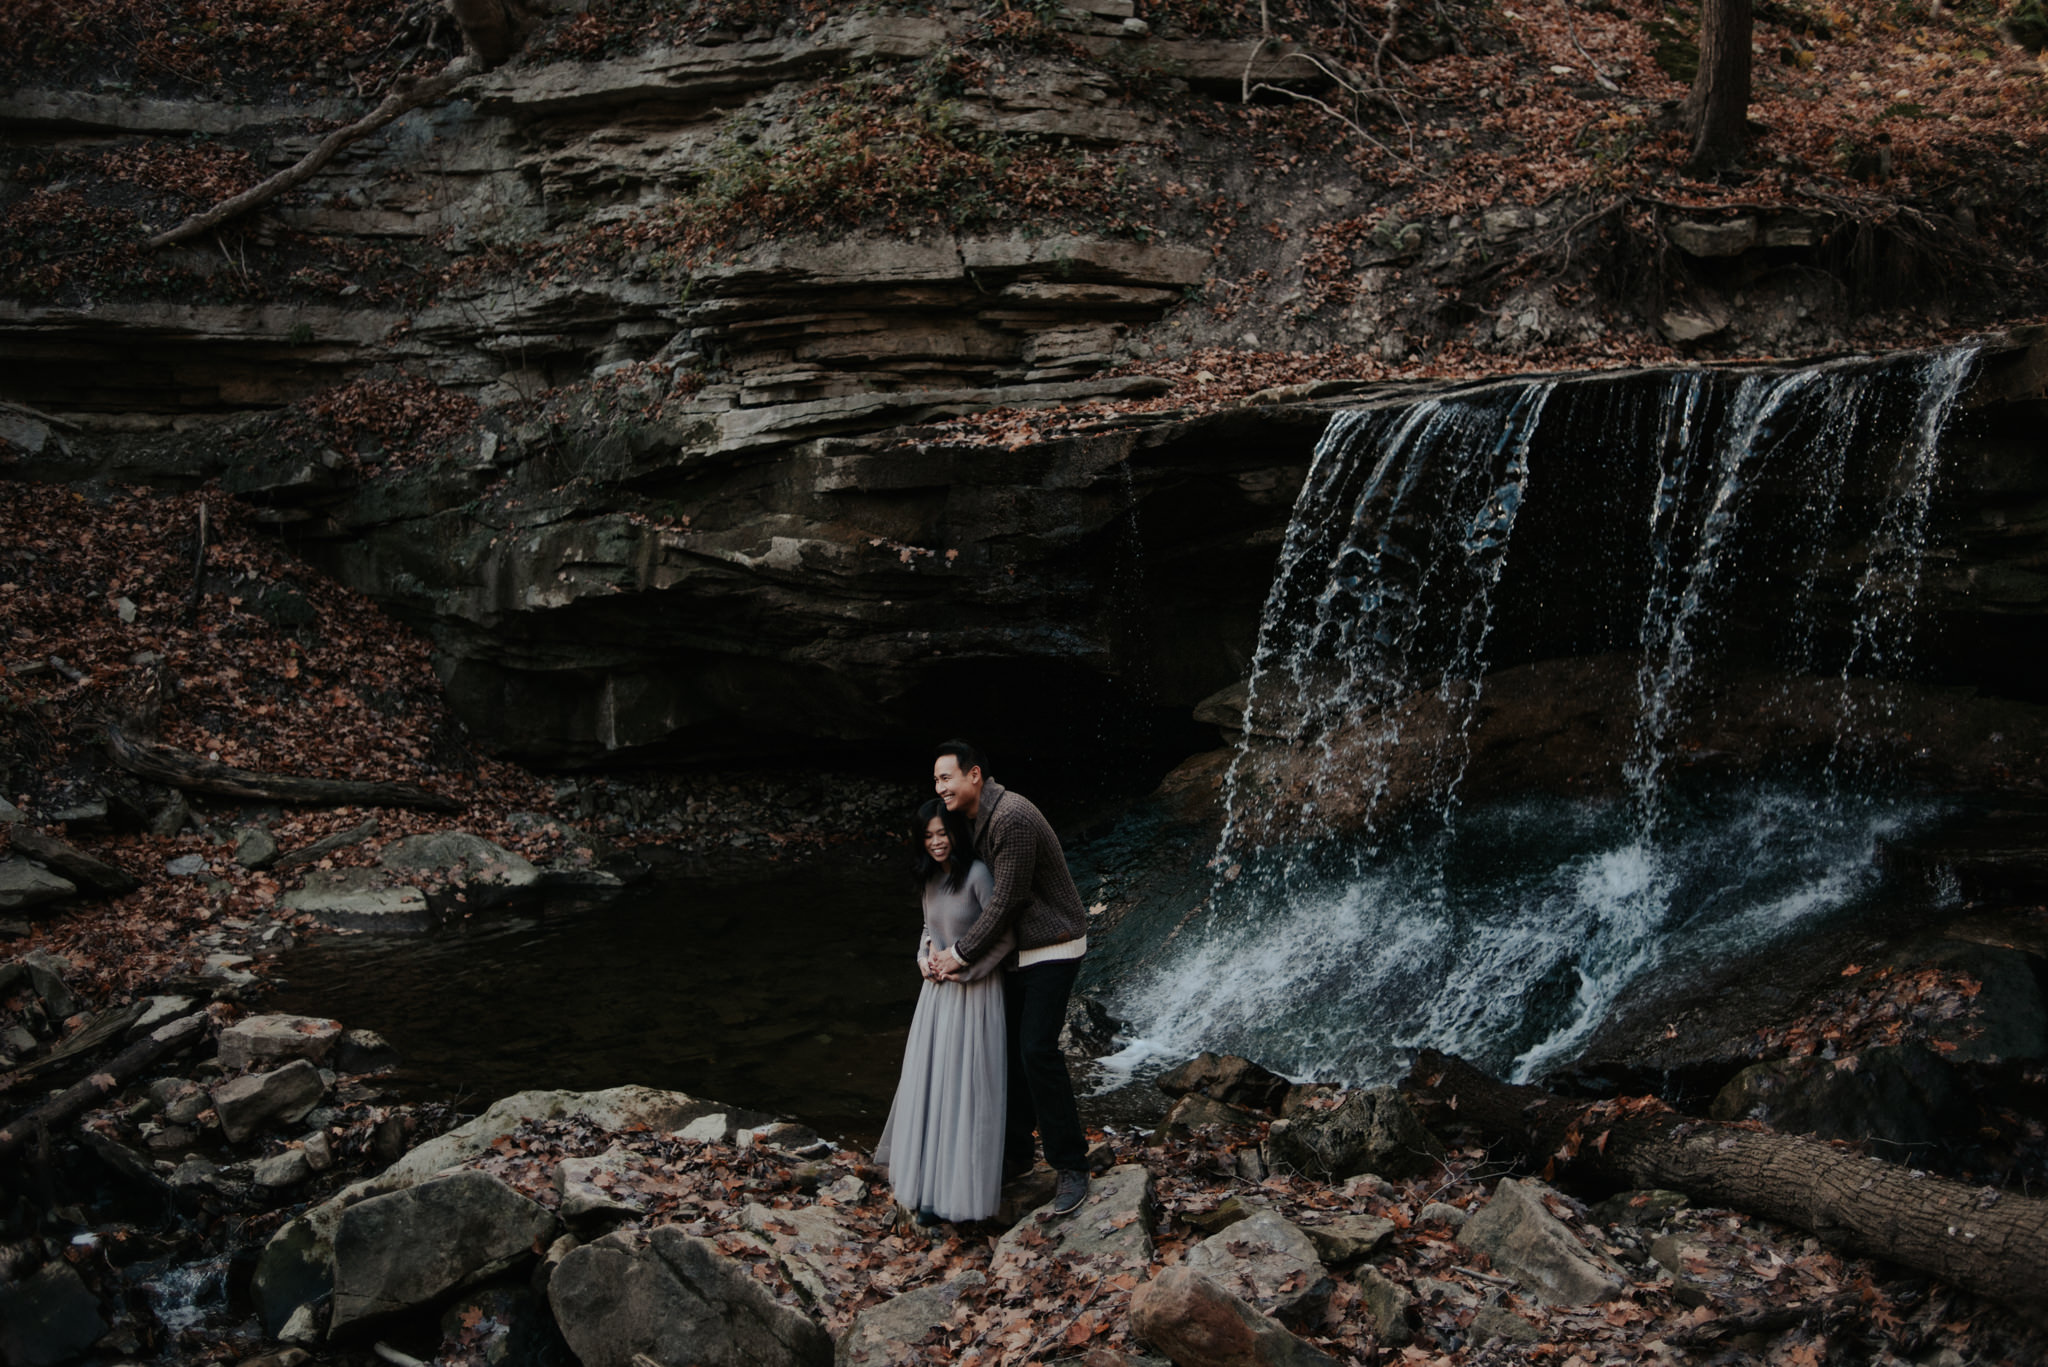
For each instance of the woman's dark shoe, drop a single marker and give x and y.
(1071, 1190)
(926, 1218)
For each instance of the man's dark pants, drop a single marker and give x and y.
(1041, 1093)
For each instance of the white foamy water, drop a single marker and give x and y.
(1507, 941)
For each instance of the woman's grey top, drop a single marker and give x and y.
(948, 914)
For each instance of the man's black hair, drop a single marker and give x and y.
(964, 754)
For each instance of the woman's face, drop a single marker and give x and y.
(937, 843)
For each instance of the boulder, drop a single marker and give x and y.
(593, 1199)
(45, 973)
(1227, 1078)
(1269, 1257)
(24, 885)
(465, 869)
(1368, 1131)
(1525, 1241)
(363, 1051)
(1197, 1323)
(1349, 1238)
(1442, 1213)
(676, 1299)
(159, 1011)
(881, 1335)
(256, 1040)
(281, 1170)
(1730, 237)
(296, 1267)
(1387, 1301)
(358, 899)
(406, 1249)
(802, 1241)
(246, 1104)
(1490, 1322)
(1901, 1096)
(1113, 1224)
(48, 1318)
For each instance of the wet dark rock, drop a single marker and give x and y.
(1197, 1323)
(505, 1326)
(1090, 1030)
(876, 1336)
(255, 848)
(2009, 1022)
(1196, 1112)
(1273, 1258)
(246, 1104)
(650, 1293)
(460, 868)
(1388, 1302)
(395, 1252)
(360, 899)
(1490, 1322)
(1525, 1241)
(48, 1318)
(1228, 1078)
(1901, 1098)
(128, 1166)
(282, 1170)
(363, 1051)
(1112, 1226)
(1372, 1131)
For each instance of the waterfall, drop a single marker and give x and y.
(1694, 521)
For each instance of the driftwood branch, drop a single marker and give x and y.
(405, 94)
(197, 774)
(1980, 1239)
(103, 1083)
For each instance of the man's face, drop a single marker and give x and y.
(960, 792)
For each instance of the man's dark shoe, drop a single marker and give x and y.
(1071, 1190)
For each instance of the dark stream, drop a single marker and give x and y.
(790, 991)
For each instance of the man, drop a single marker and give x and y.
(1035, 897)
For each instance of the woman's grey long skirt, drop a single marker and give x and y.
(943, 1143)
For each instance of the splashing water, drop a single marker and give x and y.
(1507, 932)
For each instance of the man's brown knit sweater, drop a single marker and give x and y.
(1034, 893)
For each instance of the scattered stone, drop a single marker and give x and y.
(706, 1129)
(405, 1249)
(171, 816)
(1113, 1224)
(88, 812)
(10, 815)
(258, 1040)
(630, 1294)
(876, 1337)
(802, 1240)
(589, 1204)
(1270, 1255)
(255, 848)
(1227, 1078)
(1442, 1213)
(1525, 1241)
(1349, 1238)
(45, 972)
(23, 885)
(48, 1318)
(1491, 1322)
(186, 865)
(286, 1169)
(359, 899)
(1387, 1302)
(1197, 1323)
(178, 1100)
(1226, 1213)
(319, 1151)
(303, 1327)
(1369, 1131)
(230, 968)
(246, 1104)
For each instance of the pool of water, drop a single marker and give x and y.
(788, 991)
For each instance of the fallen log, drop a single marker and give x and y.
(104, 1082)
(197, 774)
(75, 864)
(1978, 1239)
(319, 849)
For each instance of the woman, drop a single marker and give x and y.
(943, 1143)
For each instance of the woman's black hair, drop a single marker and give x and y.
(962, 831)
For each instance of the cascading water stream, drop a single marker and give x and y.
(1368, 906)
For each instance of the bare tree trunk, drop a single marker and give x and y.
(197, 774)
(1983, 1240)
(1716, 114)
